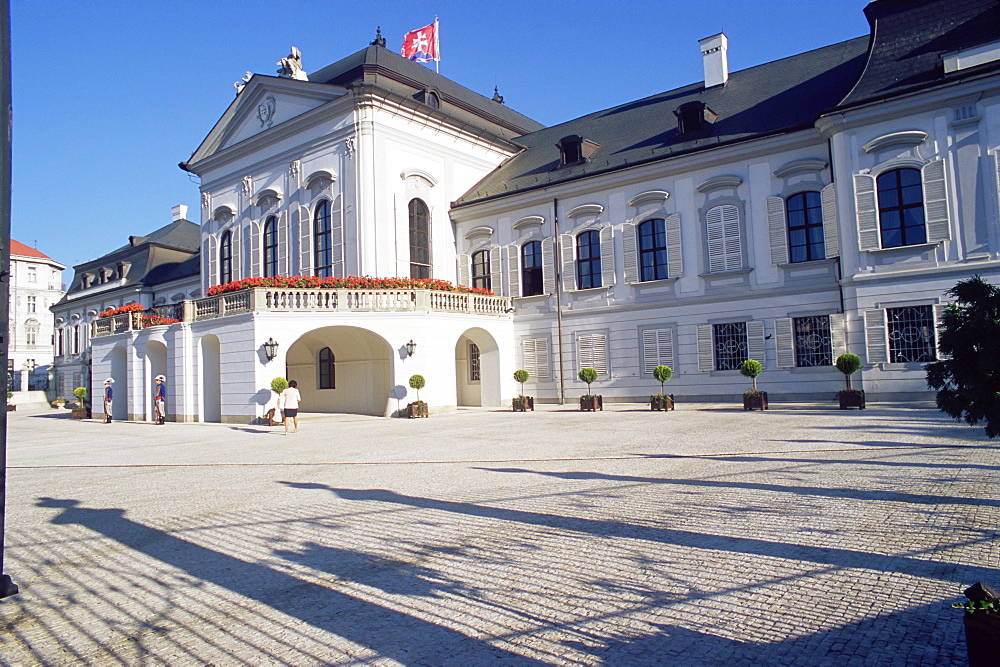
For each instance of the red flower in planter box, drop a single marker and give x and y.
(350, 282)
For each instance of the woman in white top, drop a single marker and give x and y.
(290, 405)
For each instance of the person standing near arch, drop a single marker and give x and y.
(160, 400)
(290, 405)
(108, 398)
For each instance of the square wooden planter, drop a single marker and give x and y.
(851, 399)
(80, 413)
(523, 404)
(758, 402)
(415, 410)
(657, 402)
(982, 638)
(592, 403)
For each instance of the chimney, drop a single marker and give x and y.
(713, 52)
(178, 212)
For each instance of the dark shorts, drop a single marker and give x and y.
(290, 412)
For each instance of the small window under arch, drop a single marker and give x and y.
(327, 369)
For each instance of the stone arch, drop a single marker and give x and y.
(486, 390)
(119, 372)
(363, 370)
(210, 389)
(156, 364)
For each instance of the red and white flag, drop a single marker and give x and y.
(422, 44)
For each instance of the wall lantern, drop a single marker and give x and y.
(270, 349)
(411, 347)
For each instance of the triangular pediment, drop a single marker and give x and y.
(264, 104)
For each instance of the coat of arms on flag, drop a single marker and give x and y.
(421, 45)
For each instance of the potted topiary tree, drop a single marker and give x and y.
(417, 408)
(753, 399)
(278, 385)
(849, 364)
(662, 401)
(522, 403)
(590, 401)
(80, 411)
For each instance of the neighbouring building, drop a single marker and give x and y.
(35, 284)
(157, 271)
(788, 212)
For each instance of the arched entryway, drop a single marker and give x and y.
(156, 364)
(211, 379)
(341, 369)
(119, 373)
(477, 369)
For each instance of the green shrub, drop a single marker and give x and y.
(751, 368)
(279, 385)
(662, 374)
(587, 375)
(522, 377)
(848, 364)
(81, 395)
(417, 382)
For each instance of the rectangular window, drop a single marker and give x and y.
(30, 337)
(592, 352)
(32, 274)
(657, 349)
(729, 345)
(911, 334)
(588, 260)
(32, 304)
(536, 358)
(481, 270)
(473, 362)
(532, 282)
(813, 343)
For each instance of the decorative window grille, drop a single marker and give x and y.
(813, 342)
(473, 362)
(911, 334)
(729, 345)
(588, 260)
(481, 270)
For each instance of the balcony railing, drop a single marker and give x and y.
(293, 300)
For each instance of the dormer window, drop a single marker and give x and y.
(430, 98)
(694, 116)
(574, 149)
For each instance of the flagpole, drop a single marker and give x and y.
(437, 47)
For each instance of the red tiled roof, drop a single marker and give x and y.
(18, 248)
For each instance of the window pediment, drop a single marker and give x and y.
(906, 138)
(585, 210)
(528, 221)
(719, 182)
(223, 215)
(481, 232)
(808, 165)
(320, 181)
(420, 174)
(649, 197)
(267, 200)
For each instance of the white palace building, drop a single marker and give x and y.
(788, 212)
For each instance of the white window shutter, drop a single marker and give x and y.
(630, 253)
(784, 340)
(337, 239)
(282, 222)
(657, 349)
(777, 227)
(936, 201)
(725, 251)
(514, 269)
(536, 358)
(675, 254)
(706, 356)
(529, 360)
(255, 249)
(548, 266)
(237, 253)
(568, 251)
(838, 335)
(495, 273)
(831, 232)
(463, 262)
(212, 261)
(592, 352)
(939, 309)
(607, 256)
(755, 342)
(876, 337)
(867, 208)
(305, 242)
(734, 244)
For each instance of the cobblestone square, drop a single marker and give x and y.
(800, 536)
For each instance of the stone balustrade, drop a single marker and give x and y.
(294, 300)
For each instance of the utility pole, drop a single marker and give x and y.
(7, 587)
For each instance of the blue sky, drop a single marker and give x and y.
(110, 95)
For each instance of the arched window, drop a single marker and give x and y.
(901, 208)
(531, 269)
(271, 247)
(420, 240)
(652, 250)
(327, 369)
(322, 241)
(481, 269)
(805, 227)
(226, 258)
(588, 260)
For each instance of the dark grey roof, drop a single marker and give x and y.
(911, 36)
(769, 99)
(376, 65)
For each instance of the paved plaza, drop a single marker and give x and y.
(800, 536)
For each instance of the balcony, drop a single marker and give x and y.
(297, 300)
